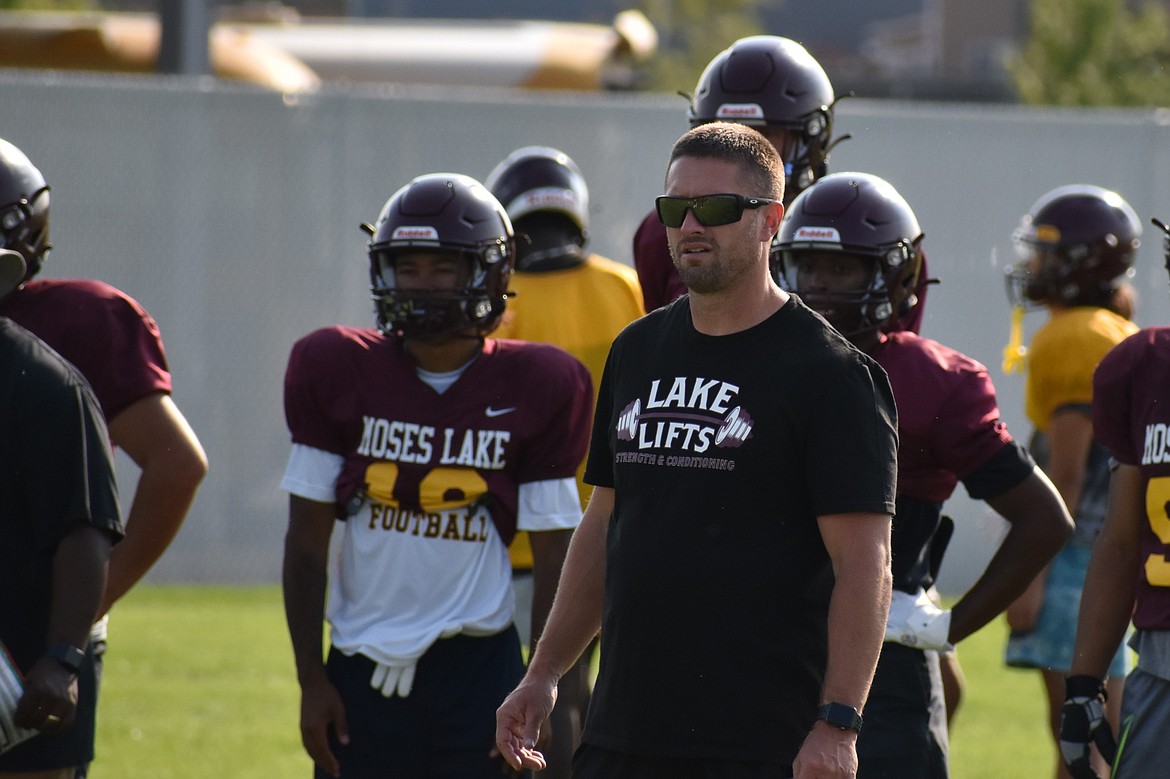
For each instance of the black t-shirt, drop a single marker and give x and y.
(55, 471)
(722, 452)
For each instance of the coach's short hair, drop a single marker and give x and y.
(740, 144)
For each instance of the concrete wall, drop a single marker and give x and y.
(232, 215)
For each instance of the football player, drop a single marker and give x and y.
(1127, 575)
(116, 345)
(851, 247)
(431, 444)
(567, 296)
(1076, 245)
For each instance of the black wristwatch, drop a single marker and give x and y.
(840, 716)
(69, 656)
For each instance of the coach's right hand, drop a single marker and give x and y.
(321, 708)
(519, 719)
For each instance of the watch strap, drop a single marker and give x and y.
(840, 715)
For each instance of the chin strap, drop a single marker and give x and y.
(1015, 354)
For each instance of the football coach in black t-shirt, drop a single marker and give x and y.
(736, 551)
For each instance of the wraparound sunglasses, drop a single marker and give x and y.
(710, 210)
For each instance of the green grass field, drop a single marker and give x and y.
(199, 683)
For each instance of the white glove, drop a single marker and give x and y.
(916, 622)
(394, 678)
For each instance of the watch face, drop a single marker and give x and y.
(841, 716)
(69, 656)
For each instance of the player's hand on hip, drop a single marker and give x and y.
(827, 753)
(1083, 722)
(49, 701)
(915, 621)
(322, 709)
(394, 678)
(519, 720)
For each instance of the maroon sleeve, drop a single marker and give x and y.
(102, 331)
(310, 396)
(1113, 399)
(949, 421)
(656, 272)
(560, 447)
(969, 425)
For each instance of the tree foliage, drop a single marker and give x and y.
(1095, 52)
(691, 33)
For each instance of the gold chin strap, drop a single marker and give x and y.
(1015, 354)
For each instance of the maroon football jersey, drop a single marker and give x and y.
(103, 332)
(659, 278)
(1131, 418)
(948, 417)
(520, 413)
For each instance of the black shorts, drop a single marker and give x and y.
(72, 747)
(444, 728)
(904, 735)
(594, 762)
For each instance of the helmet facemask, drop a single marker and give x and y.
(886, 293)
(547, 242)
(436, 313)
(1081, 274)
(24, 228)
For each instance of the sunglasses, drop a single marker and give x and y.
(710, 210)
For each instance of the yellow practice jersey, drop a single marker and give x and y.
(1063, 355)
(580, 309)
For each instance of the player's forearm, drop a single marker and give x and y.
(304, 581)
(304, 586)
(165, 492)
(1039, 527)
(79, 577)
(1106, 608)
(1110, 582)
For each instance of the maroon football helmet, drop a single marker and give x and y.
(547, 199)
(24, 208)
(767, 81)
(862, 215)
(1076, 247)
(446, 212)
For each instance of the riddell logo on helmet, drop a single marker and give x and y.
(415, 234)
(549, 198)
(738, 111)
(824, 234)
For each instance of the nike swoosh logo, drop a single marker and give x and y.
(498, 412)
